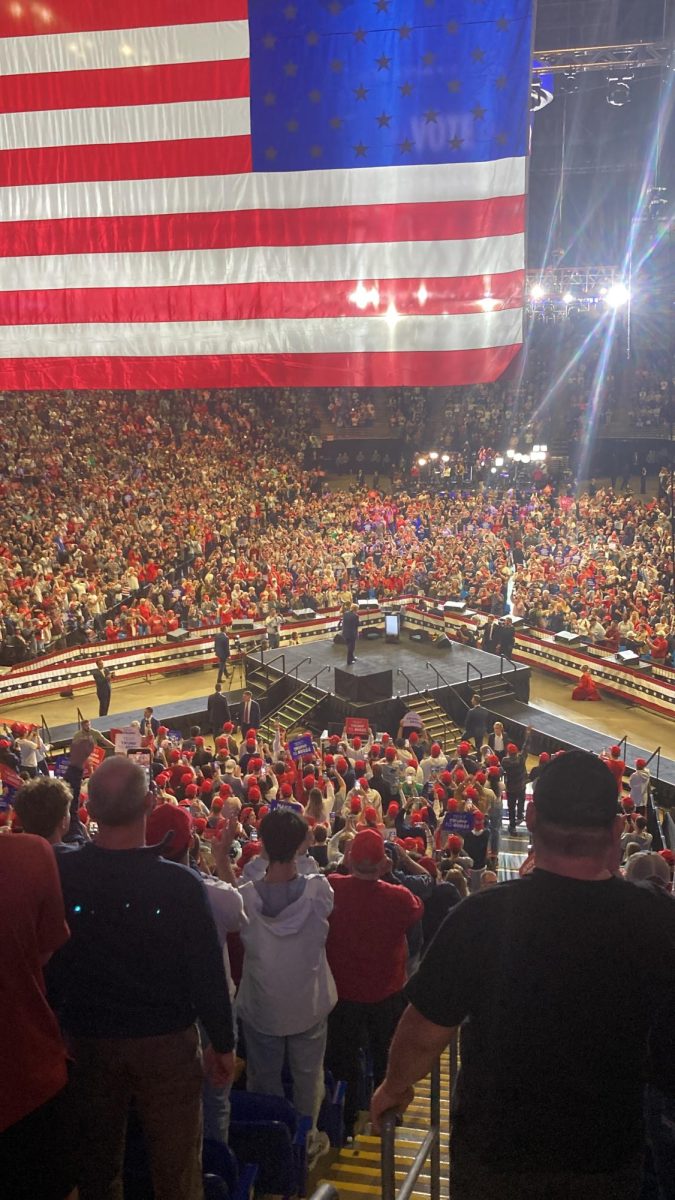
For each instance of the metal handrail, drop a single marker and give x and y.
(310, 682)
(501, 665)
(656, 753)
(408, 680)
(470, 667)
(296, 668)
(269, 663)
(48, 737)
(325, 1191)
(430, 1148)
(80, 718)
(622, 745)
(446, 683)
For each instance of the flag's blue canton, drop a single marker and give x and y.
(336, 83)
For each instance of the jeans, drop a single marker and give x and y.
(353, 1026)
(163, 1075)
(472, 1179)
(216, 1105)
(265, 1057)
(659, 1170)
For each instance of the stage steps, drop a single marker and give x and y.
(290, 714)
(355, 1172)
(495, 689)
(438, 724)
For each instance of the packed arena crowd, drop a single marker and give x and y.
(129, 516)
(327, 880)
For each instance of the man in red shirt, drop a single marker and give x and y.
(36, 1151)
(367, 953)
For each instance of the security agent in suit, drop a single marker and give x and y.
(102, 676)
(221, 649)
(505, 639)
(218, 709)
(489, 636)
(350, 631)
(149, 723)
(249, 713)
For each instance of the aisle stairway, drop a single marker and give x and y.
(356, 1170)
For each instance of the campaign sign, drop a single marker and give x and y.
(285, 806)
(127, 739)
(357, 727)
(458, 822)
(301, 746)
(59, 765)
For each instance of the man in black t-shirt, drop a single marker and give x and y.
(142, 964)
(540, 974)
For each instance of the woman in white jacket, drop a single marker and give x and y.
(287, 989)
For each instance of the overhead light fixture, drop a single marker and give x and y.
(537, 292)
(618, 90)
(617, 295)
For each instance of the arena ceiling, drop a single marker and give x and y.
(589, 159)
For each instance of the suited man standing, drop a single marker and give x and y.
(149, 723)
(489, 635)
(249, 716)
(102, 676)
(506, 636)
(218, 709)
(221, 649)
(350, 631)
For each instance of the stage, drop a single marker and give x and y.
(416, 667)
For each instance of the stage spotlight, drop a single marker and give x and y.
(537, 292)
(570, 82)
(617, 295)
(433, 455)
(499, 461)
(568, 298)
(421, 462)
(618, 91)
(445, 458)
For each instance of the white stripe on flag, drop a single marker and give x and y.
(95, 50)
(299, 189)
(141, 123)
(287, 336)
(267, 264)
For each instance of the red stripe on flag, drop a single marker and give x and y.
(361, 223)
(251, 301)
(388, 369)
(74, 16)
(122, 86)
(127, 160)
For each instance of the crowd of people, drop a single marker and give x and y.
(291, 907)
(219, 518)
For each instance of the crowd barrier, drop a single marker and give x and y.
(649, 686)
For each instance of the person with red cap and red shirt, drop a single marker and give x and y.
(616, 765)
(367, 953)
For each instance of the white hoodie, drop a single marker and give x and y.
(287, 985)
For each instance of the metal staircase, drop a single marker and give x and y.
(356, 1171)
(437, 723)
(291, 713)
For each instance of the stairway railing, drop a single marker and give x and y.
(657, 755)
(430, 1148)
(469, 668)
(325, 1191)
(408, 680)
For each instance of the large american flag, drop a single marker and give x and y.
(271, 193)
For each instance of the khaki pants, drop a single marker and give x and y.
(163, 1076)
